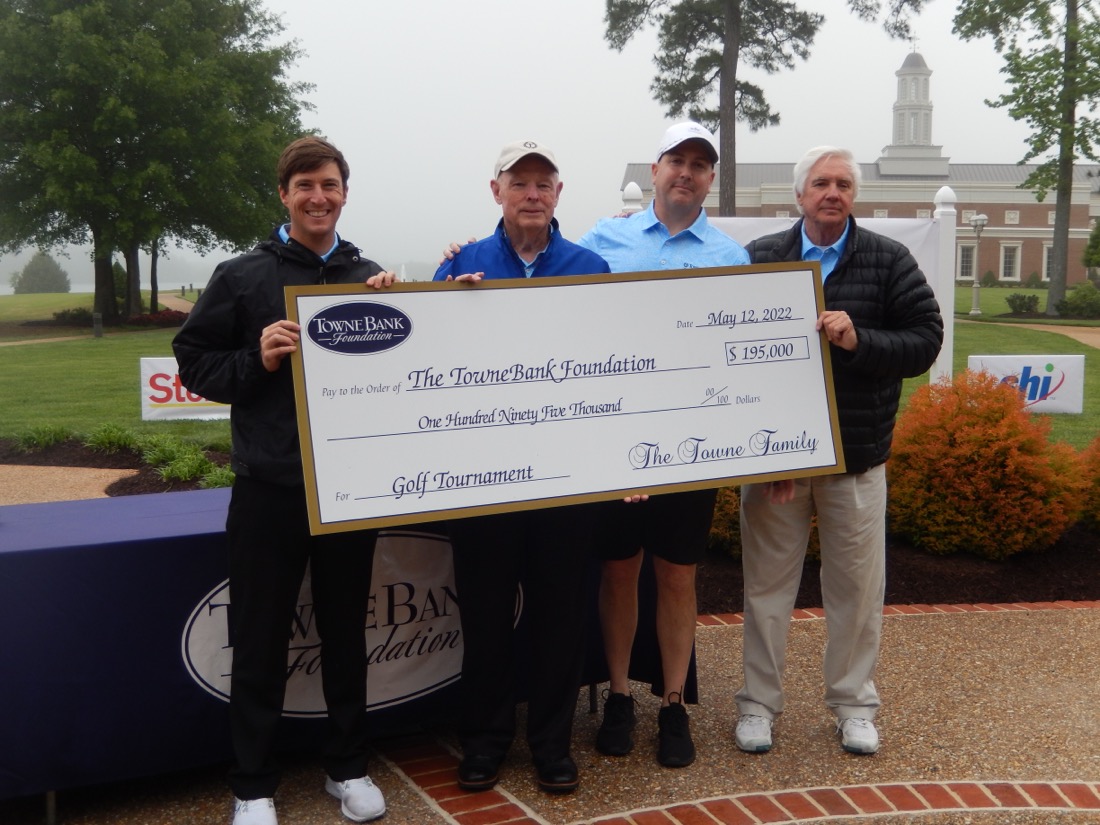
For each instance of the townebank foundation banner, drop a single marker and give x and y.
(413, 633)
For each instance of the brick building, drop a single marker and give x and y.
(1015, 244)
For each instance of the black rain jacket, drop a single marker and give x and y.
(218, 348)
(897, 320)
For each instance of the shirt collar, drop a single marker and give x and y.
(698, 228)
(837, 247)
(284, 234)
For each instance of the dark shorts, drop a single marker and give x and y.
(671, 526)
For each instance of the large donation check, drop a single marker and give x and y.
(429, 401)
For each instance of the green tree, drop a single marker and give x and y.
(701, 45)
(1091, 257)
(130, 123)
(41, 274)
(1051, 55)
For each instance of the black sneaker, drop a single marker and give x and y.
(674, 746)
(614, 737)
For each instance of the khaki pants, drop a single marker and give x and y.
(851, 520)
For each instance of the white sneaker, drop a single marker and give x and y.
(360, 799)
(254, 811)
(857, 735)
(754, 733)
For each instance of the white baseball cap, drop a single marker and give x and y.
(514, 152)
(688, 130)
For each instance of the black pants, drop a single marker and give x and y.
(550, 552)
(269, 545)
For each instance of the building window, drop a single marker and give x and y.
(1012, 217)
(1010, 262)
(1048, 260)
(924, 213)
(966, 262)
(882, 213)
(1050, 218)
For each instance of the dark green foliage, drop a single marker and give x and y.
(41, 274)
(43, 436)
(1091, 256)
(78, 317)
(1051, 55)
(130, 122)
(1021, 303)
(701, 46)
(1083, 301)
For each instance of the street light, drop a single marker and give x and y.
(978, 222)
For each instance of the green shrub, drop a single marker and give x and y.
(159, 450)
(973, 471)
(1021, 303)
(989, 279)
(187, 466)
(111, 438)
(42, 436)
(1034, 281)
(220, 476)
(1083, 301)
(79, 317)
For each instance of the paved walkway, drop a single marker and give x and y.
(989, 716)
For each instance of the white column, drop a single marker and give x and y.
(944, 283)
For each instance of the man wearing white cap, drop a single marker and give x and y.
(549, 550)
(672, 233)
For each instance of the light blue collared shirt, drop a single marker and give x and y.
(641, 243)
(284, 233)
(828, 255)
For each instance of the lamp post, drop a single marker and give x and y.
(978, 222)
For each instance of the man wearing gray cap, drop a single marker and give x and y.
(549, 550)
(672, 233)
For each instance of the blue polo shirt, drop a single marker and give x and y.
(497, 259)
(828, 255)
(641, 243)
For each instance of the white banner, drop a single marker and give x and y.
(1049, 383)
(164, 398)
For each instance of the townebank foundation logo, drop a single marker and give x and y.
(414, 641)
(359, 328)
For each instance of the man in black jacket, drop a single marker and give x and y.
(883, 324)
(233, 348)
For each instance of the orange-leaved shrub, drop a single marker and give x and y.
(1090, 464)
(972, 470)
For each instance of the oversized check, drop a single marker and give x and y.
(428, 401)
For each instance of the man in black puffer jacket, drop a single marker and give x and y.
(883, 324)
